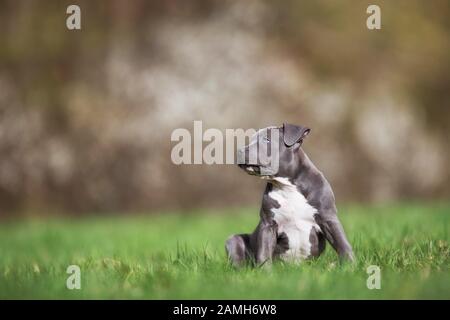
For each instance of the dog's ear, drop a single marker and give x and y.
(294, 134)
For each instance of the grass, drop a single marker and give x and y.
(175, 256)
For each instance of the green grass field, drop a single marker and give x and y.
(174, 256)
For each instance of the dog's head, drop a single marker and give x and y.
(271, 151)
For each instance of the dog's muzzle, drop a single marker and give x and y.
(253, 168)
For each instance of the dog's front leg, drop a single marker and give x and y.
(266, 241)
(334, 233)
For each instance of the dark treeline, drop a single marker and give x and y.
(86, 115)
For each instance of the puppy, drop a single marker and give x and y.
(298, 212)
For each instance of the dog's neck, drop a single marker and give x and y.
(282, 183)
(304, 170)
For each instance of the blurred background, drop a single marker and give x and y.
(86, 115)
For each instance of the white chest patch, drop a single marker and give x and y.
(295, 217)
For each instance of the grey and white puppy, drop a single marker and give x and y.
(298, 210)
